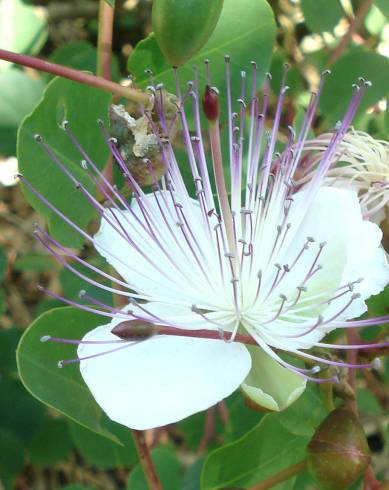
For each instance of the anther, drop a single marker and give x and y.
(355, 296)
(60, 364)
(45, 338)
(65, 124)
(81, 293)
(315, 370)
(84, 164)
(38, 138)
(376, 363)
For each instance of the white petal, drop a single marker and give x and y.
(163, 379)
(270, 385)
(352, 251)
(166, 265)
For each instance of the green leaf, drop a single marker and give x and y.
(264, 451)
(3, 264)
(100, 452)
(183, 27)
(253, 43)
(375, 21)
(11, 455)
(368, 403)
(386, 119)
(77, 487)
(111, 3)
(321, 15)
(18, 95)
(52, 444)
(294, 80)
(81, 106)
(80, 55)
(22, 29)
(62, 389)
(383, 5)
(191, 479)
(305, 415)
(18, 411)
(168, 470)
(8, 342)
(71, 284)
(35, 262)
(338, 87)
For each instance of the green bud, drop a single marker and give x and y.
(338, 453)
(182, 27)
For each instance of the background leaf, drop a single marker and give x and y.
(18, 95)
(80, 55)
(264, 455)
(81, 106)
(321, 15)
(62, 389)
(22, 30)
(52, 445)
(102, 453)
(338, 87)
(253, 43)
(168, 470)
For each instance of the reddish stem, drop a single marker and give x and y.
(354, 25)
(204, 334)
(78, 76)
(145, 460)
(104, 41)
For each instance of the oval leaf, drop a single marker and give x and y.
(81, 106)
(253, 43)
(338, 87)
(62, 389)
(264, 456)
(183, 27)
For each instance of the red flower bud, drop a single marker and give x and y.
(211, 103)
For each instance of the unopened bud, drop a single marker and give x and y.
(134, 330)
(338, 452)
(211, 103)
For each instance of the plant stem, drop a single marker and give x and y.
(145, 460)
(78, 76)
(355, 23)
(352, 355)
(281, 476)
(104, 40)
(214, 138)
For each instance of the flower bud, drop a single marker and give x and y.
(211, 103)
(134, 330)
(338, 452)
(183, 27)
